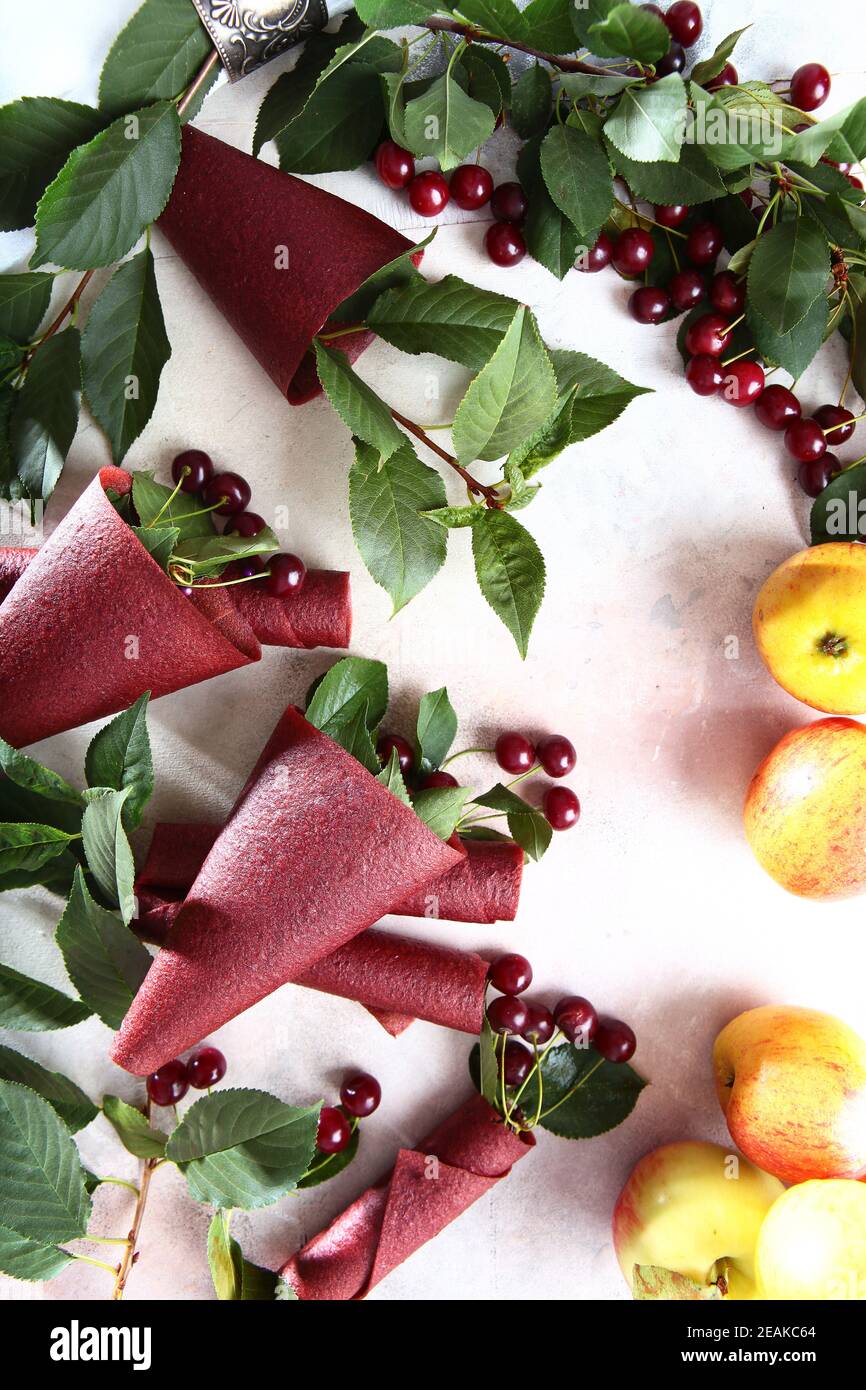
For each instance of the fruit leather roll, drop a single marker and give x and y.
(483, 887)
(314, 851)
(93, 622)
(275, 254)
(473, 1150)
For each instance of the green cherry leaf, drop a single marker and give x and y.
(709, 68)
(445, 123)
(441, 808)
(511, 396)
(74, 1108)
(836, 512)
(549, 23)
(631, 32)
(29, 1006)
(107, 850)
(123, 351)
(133, 1130)
(235, 1278)
(397, 273)
(119, 756)
(29, 847)
(353, 734)
(487, 77)
(392, 778)
(583, 1095)
(694, 180)
(796, 349)
(45, 416)
(390, 14)
(360, 409)
(435, 730)
(788, 272)
(451, 318)
(42, 1192)
(27, 773)
(510, 570)
(109, 191)
(37, 136)
(30, 1260)
(103, 959)
(156, 55)
(531, 102)
(24, 303)
(648, 123)
(354, 683)
(551, 238)
(402, 549)
(578, 179)
(339, 125)
(154, 500)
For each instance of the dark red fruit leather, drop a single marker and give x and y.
(230, 216)
(313, 852)
(82, 599)
(427, 1189)
(483, 887)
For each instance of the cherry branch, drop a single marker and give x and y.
(130, 1254)
(475, 35)
(490, 494)
(198, 81)
(68, 308)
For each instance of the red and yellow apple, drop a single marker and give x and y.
(812, 1244)
(696, 1209)
(792, 1085)
(810, 627)
(805, 812)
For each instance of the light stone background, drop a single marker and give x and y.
(657, 535)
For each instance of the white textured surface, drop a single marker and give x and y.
(657, 535)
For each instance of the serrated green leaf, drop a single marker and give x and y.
(207, 556)
(402, 549)
(74, 1108)
(440, 808)
(123, 352)
(510, 570)
(392, 778)
(159, 505)
(600, 1094)
(42, 1193)
(710, 67)
(488, 1065)
(631, 31)
(578, 179)
(452, 318)
(788, 271)
(103, 959)
(156, 54)
(235, 1278)
(37, 135)
(549, 23)
(351, 684)
(339, 125)
(435, 730)
(363, 412)
(107, 850)
(244, 1148)
(160, 542)
(45, 416)
(578, 85)
(550, 237)
(841, 136)
(736, 126)
(389, 14)
(109, 190)
(836, 514)
(353, 734)
(531, 101)
(648, 123)
(795, 350)
(24, 302)
(445, 123)
(285, 100)
(487, 77)
(21, 1258)
(396, 274)
(511, 396)
(28, 847)
(29, 1006)
(694, 180)
(532, 832)
(40, 781)
(136, 1134)
(119, 756)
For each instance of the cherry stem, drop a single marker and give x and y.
(464, 752)
(98, 1264)
(147, 1170)
(69, 308)
(476, 35)
(737, 357)
(120, 1182)
(731, 326)
(831, 429)
(198, 81)
(530, 772)
(490, 494)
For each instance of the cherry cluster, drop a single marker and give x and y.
(228, 495)
(360, 1095)
(202, 1069)
(574, 1017)
(556, 755)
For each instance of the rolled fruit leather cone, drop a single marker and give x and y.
(275, 254)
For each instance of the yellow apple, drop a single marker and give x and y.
(812, 1244)
(810, 626)
(792, 1084)
(690, 1207)
(805, 811)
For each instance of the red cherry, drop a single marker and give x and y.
(650, 304)
(429, 194)
(509, 203)
(670, 215)
(805, 440)
(685, 22)
(703, 243)
(334, 1130)
(777, 408)
(511, 974)
(192, 469)
(673, 61)
(540, 1024)
(728, 77)
(230, 490)
(438, 779)
(506, 1014)
(557, 755)
(707, 335)
(813, 477)
(633, 251)
(471, 186)
(245, 524)
(810, 86)
(614, 1040)
(596, 257)
(704, 374)
(505, 245)
(287, 575)
(360, 1094)
(169, 1084)
(393, 743)
(687, 288)
(743, 383)
(394, 165)
(205, 1067)
(561, 807)
(576, 1018)
(839, 423)
(727, 294)
(514, 753)
(518, 1063)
